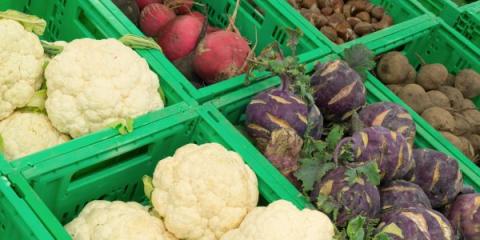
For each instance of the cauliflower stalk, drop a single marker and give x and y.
(21, 65)
(24, 133)
(281, 220)
(104, 220)
(203, 191)
(93, 84)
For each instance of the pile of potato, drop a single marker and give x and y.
(342, 21)
(444, 100)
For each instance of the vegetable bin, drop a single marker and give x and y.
(437, 44)
(68, 20)
(233, 106)
(261, 22)
(113, 169)
(406, 15)
(468, 23)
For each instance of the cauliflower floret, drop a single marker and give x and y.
(24, 133)
(94, 83)
(283, 221)
(203, 191)
(21, 66)
(104, 220)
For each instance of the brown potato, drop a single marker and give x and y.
(432, 76)
(455, 96)
(393, 68)
(416, 97)
(468, 82)
(439, 118)
(439, 99)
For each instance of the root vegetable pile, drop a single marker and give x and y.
(203, 53)
(362, 169)
(342, 21)
(441, 98)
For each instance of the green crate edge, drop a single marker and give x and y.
(218, 89)
(468, 22)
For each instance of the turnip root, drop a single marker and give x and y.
(154, 17)
(338, 89)
(475, 141)
(272, 110)
(439, 118)
(454, 95)
(415, 223)
(391, 116)
(432, 76)
(360, 199)
(393, 68)
(180, 36)
(468, 82)
(450, 80)
(412, 76)
(462, 126)
(390, 150)
(438, 175)
(395, 88)
(439, 99)
(473, 117)
(468, 104)
(143, 3)
(415, 97)
(464, 215)
(403, 194)
(461, 143)
(221, 55)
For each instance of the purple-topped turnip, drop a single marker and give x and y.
(438, 175)
(464, 215)
(391, 116)
(390, 150)
(403, 194)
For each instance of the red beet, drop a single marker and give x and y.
(181, 6)
(143, 3)
(154, 17)
(221, 55)
(179, 37)
(201, 17)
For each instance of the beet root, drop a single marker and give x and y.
(439, 118)
(154, 17)
(220, 56)
(468, 82)
(181, 6)
(143, 3)
(415, 97)
(180, 37)
(432, 76)
(393, 68)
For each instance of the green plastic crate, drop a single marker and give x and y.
(260, 21)
(96, 172)
(73, 19)
(468, 23)
(233, 106)
(408, 16)
(17, 220)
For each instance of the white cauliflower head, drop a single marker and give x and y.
(104, 220)
(21, 66)
(94, 83)
(24, 133)
(203, 191)
(281, 220)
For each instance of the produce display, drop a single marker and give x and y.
(205, 54)
(343, 21)
(441, 98)
(320, 156)
(201, 192)
(67, 90)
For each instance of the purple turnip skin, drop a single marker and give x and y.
(417, 223)
(403, 194)
(391, 116)
(361, 198)
(274, 109)
(438, 175)
(464, 215)
(338, 90)
(390, 150)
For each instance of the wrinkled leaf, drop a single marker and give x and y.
(360, 58)
(30, 23)
(368, 170)
(36, 103)
(310, 171)
(328, 206)
(334, 136)
(355, 228)
(147, 186)
(139, 42)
